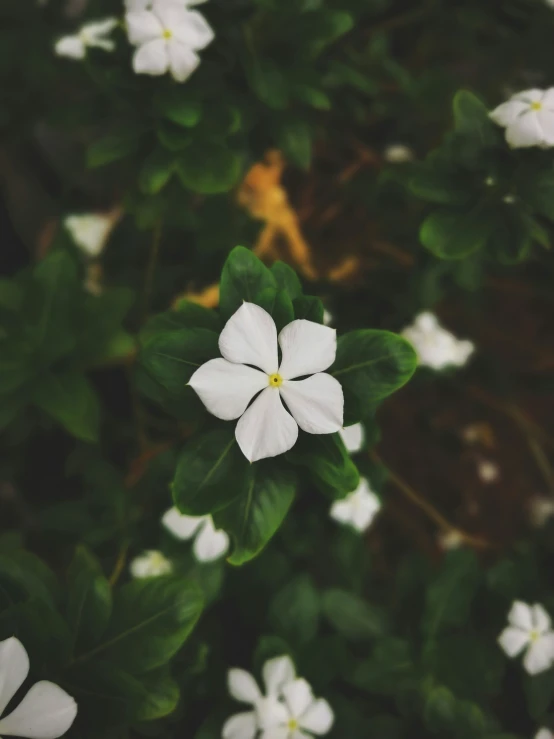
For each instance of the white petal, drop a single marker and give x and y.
(508, 113)
(366, 506)
(342, 510)
(521, 615)
(530, 96)
(151, 58)
(89, 231)
(150, 564)
(240, 726)
(541, 619)
(98, 29)
(307, 348)
(512, 640)
(353, 437)
(182, 527)
(279, 732)
(271, 713)
(543, 734)
(211, 543)
(242, 686)
(134, 5)
(250, 337)
(526, 131)
(546, 122)
(298, 697)
(194, 31)
(182, 60)
(70, 46)
(276, 673)
(548, 99)
(538, 657)
(266, 429)
(318, 718)
(226, 388)
(46, 712)
(316, 404)
(142, 27)
(14, 668)
(426, 321)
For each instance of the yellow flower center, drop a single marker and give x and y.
(534, 635)
(292, 724)
(536, 106)
(167, 33)
(275, 380)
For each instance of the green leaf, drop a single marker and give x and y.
(209, 168)
(70, 399)
(175, 106)
(370, 365)
(151, 620)
(254, 517)
(112, 148)
(387, 671)
(294, 138)
(539, 193)
(156, 171)
(328, 463)
(294, 611)
(174, 138)
(440, 711)
(287, 279)
(451, 234)
(352, 617)
(312, 96)
(89, 604)
(159, 696)
(24, 576)
(185, 315)
(539, 693)
(211, 473)
(278, 304)
(471, 117)
(243, 277)
(450, 595)
(309, 308)
(267, 82)
(437, 186)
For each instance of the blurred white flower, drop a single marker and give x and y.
(90, 231)
(46, 712)
(528, 118)
(353, 437)
(227, 385)
(449, 540)
(150, 564)
(267, 710)
(328, 318)
(435, 346)
(544, 733)
(398, 154)
(358, 509)
(91, 35)
(167, 35)
(302, 714)
(209, 543)
(530, 630)
(540, 510)
(488, 471)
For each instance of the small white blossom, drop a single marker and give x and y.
(209, 543)
(528, 118)
(358, 509)
(435, 346)
(227, 385)
(150, 564)
(530, 630)
(449, 540)
(544, 734)
(167, 35)
(91, 35)
(267, 709)
(90, 231)
(488, 471)
(353, 437)
(540, 511)
(46, 712)
(302, 714)
(398, 154)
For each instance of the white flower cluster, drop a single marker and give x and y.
(528, 118)
(167, 35)
(46, 712)
(529, 630)
(435, 346)
(288, 710)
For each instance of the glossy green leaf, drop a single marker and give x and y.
(328, 463)
(89, 600)
(209, 168)
(156, 171)
(294, 611)
(452, 234)
(287, 279)
(309, 308)
(70, 399)
(354, 618)
(278, 304)
(243, 277)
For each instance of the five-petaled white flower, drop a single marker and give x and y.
(530, 629)
(90, 231)
(353, 437)
(209, 543)
(46, 712)
(544, 734)
(435, 346)
(358, 509)
(528, 118)
(267, 709)
(168, 37)
(91, 35)
(150, 564)
(227, 385)
(302, 715)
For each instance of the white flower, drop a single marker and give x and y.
(353, 437)
(91, 35)
(90, 231)
(266, 708)
(435, 346)
(487, 471)
(398, 154)
(358, 509)
(227, 385)
(530, 629)
(540, 510)
(210, 543)
(46, 712)
(449, 540)
(544, 734)
(302, 714)
(528, 118)
(168, 37)
(150, 564)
